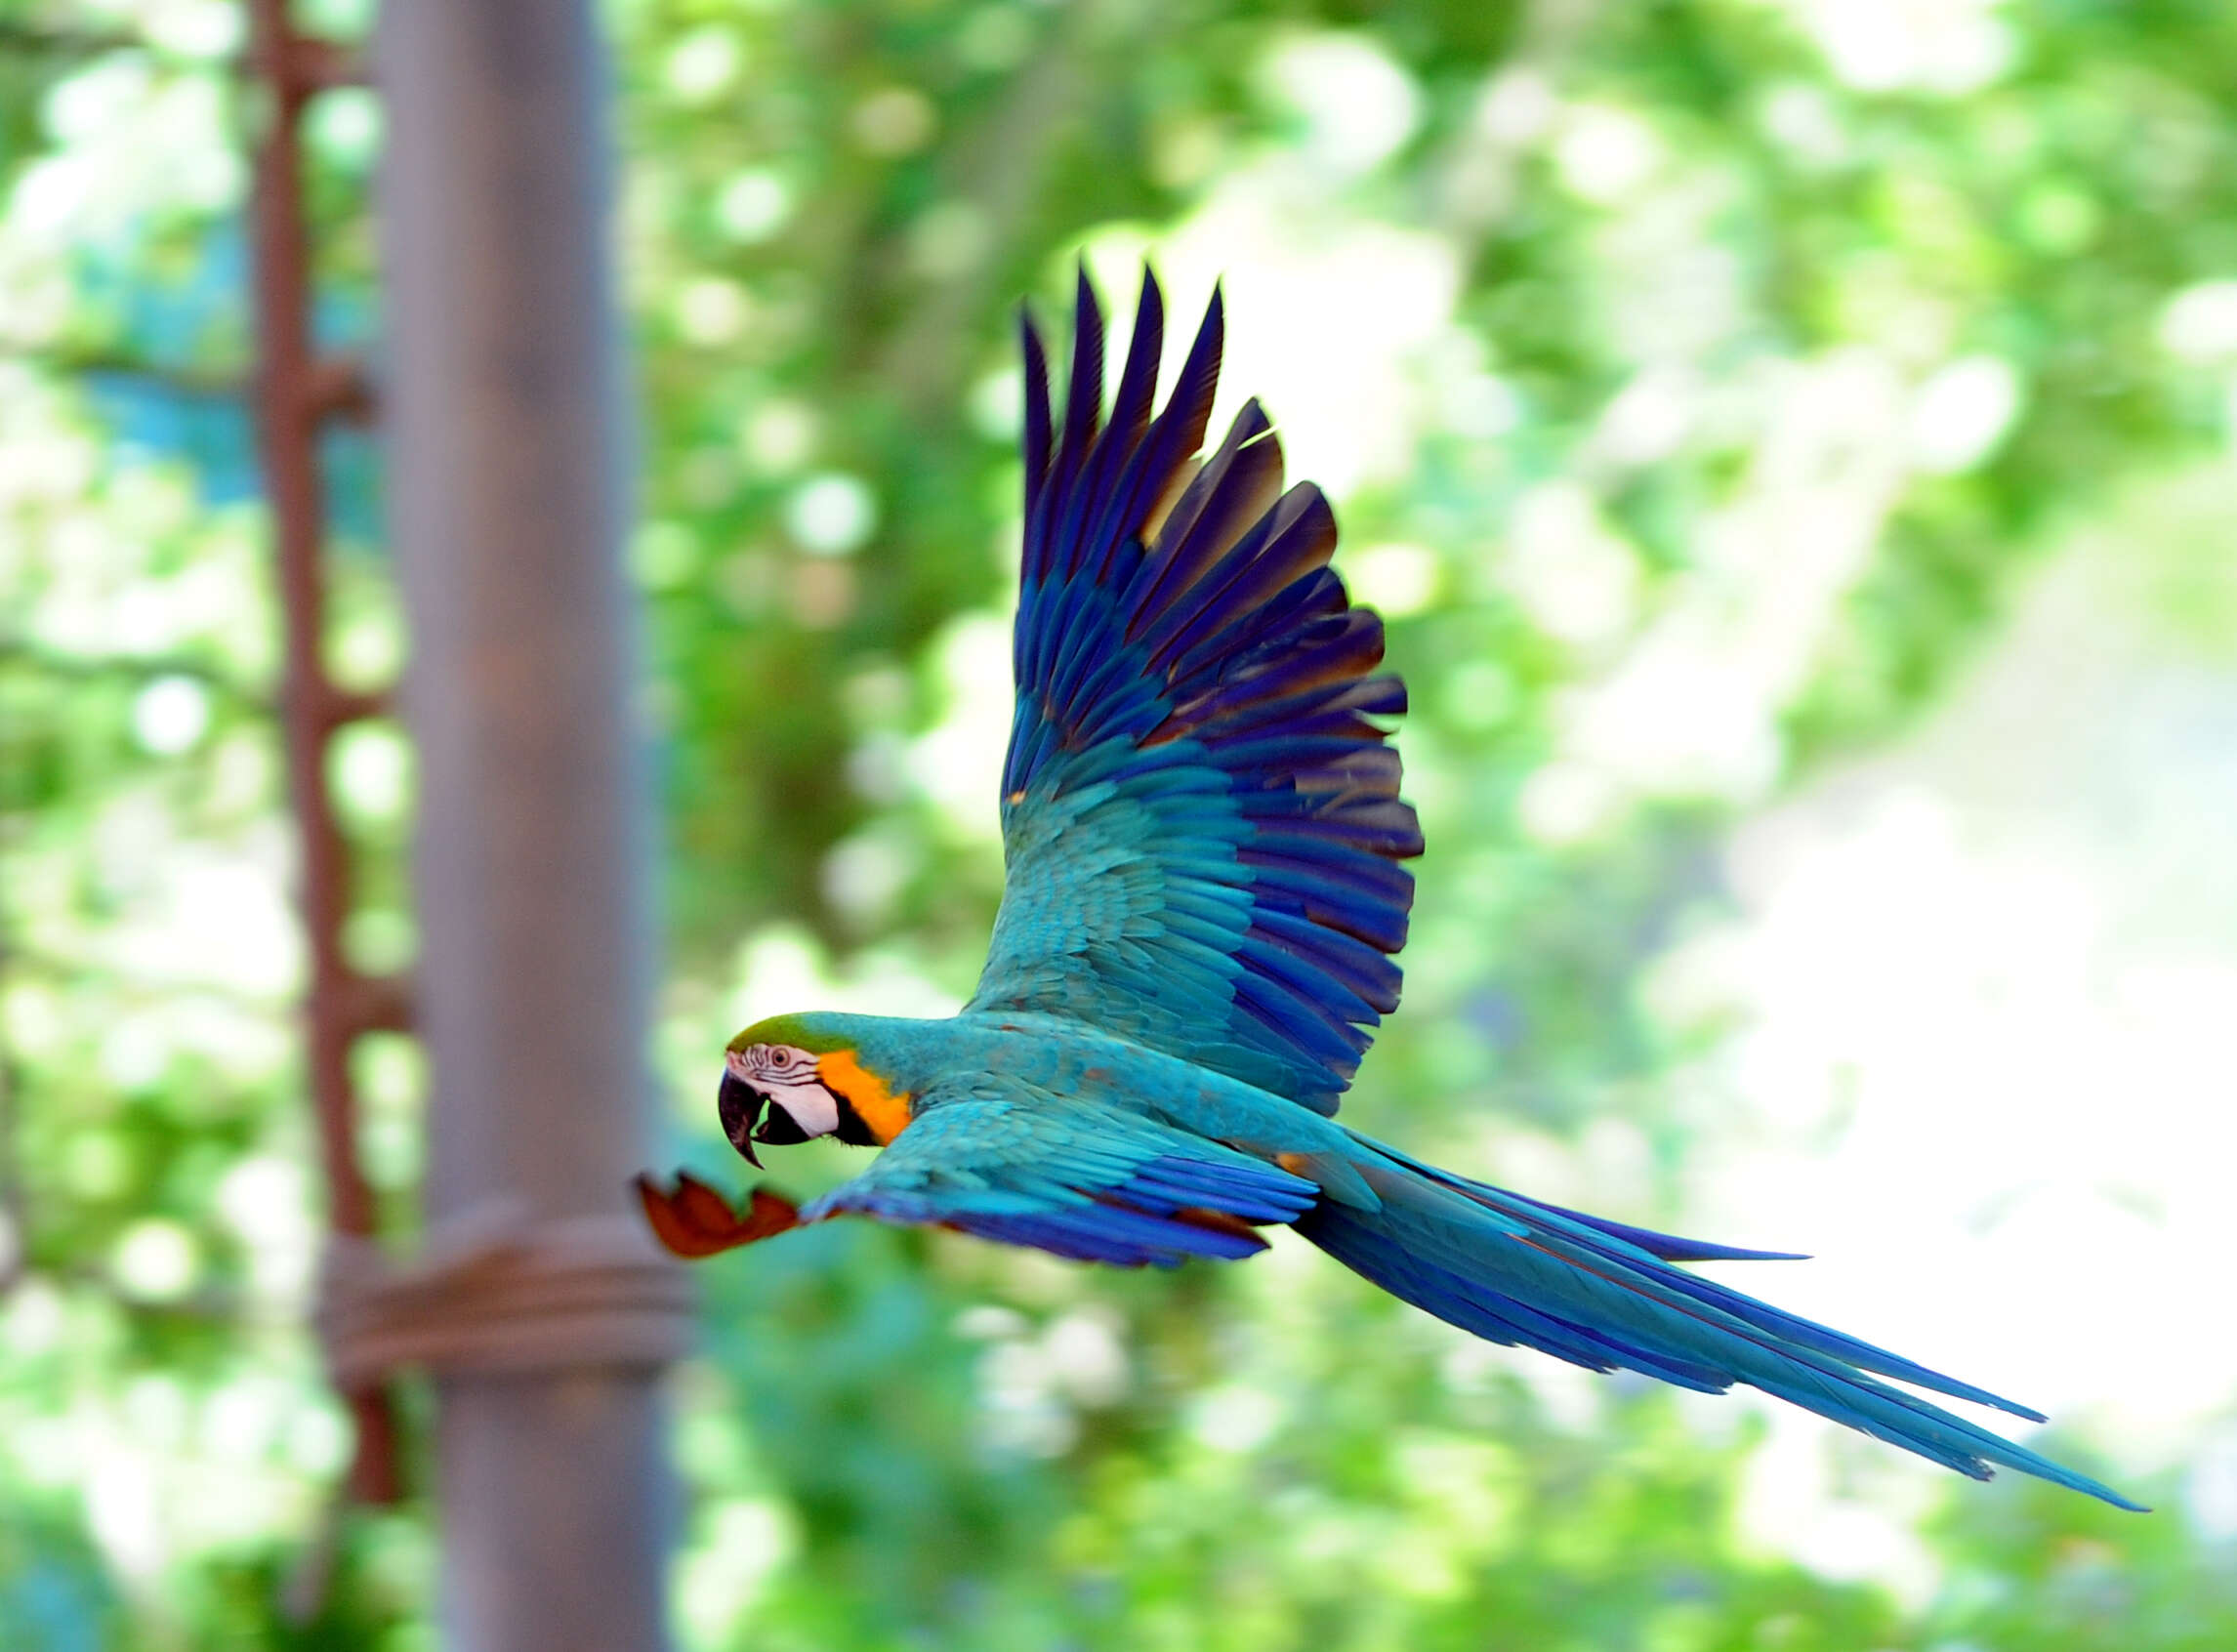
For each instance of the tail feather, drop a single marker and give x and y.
(1614, 1242)
(1359, 1243)
(1667, 1247)
(1603, 1296)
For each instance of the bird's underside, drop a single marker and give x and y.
(1204, 893)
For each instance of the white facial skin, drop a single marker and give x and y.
(786, 1075)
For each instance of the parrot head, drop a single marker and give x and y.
(785, 1081)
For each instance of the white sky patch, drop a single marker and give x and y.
(122, 1498)
(1333, 317)
(1984, 1073)
(2211, 1491)
(1471, 400)
(263, 1198)
(1394, 579)
(1803, 121)
(831, 515)
(1517, 105)
(743, 1542)
(1648, 419)
(243, 1416)
(997, 403)
(1564, 803)
(343, 125)
(864, 875)
(957, 763)
(782, 968)
(1235, 1417)
(1672, 287)
(131, 145)
(1692, 705)
(157, 1260)
(194, 915)
(97, 597)
(1962, 414)
(712, 312)
(1357, 106)
(702, 65)
(1021, 1405)
(753, 205)
(196, 28)
(1575, 576)
(1946, 46)
(372, 771)
(134, 1052)
(170, 715)
(1675, 718)
(778, 435)
(319, 1439)
(988, 1321)
(366, 647)
(1604, 154)
(2200, 322)
(33, 1319)
(1031, 1387)
(1087, 1358)
(1793, 1501)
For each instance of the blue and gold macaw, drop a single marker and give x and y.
(1205, 852)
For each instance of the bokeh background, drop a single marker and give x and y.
(1791, 442)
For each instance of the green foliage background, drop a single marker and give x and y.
(829, 210)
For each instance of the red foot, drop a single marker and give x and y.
(696, 1220)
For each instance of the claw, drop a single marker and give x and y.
(693, 1220)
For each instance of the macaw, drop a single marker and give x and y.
(1204, 846)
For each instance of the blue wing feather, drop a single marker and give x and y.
(1201, 822)
(1004, 1159)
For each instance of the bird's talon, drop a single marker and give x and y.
(692, 1220)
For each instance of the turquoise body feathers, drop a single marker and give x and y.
(1595, 1293)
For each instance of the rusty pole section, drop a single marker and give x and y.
(296, 392)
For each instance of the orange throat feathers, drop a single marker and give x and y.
(877, 1106)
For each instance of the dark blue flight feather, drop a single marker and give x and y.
(1193, 775)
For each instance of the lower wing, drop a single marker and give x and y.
(1005, 1160)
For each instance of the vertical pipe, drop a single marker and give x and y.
(507, 456)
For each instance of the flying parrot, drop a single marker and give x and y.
(1205, 888)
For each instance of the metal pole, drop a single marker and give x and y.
(507, 444)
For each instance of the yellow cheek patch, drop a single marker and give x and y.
(886, 1113)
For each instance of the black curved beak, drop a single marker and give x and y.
(739, 1106)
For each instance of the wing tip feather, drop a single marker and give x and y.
(1223, 548)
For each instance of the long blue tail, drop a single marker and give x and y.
(1602, 1294)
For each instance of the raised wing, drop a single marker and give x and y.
(998, 1158)
(1200, 819)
